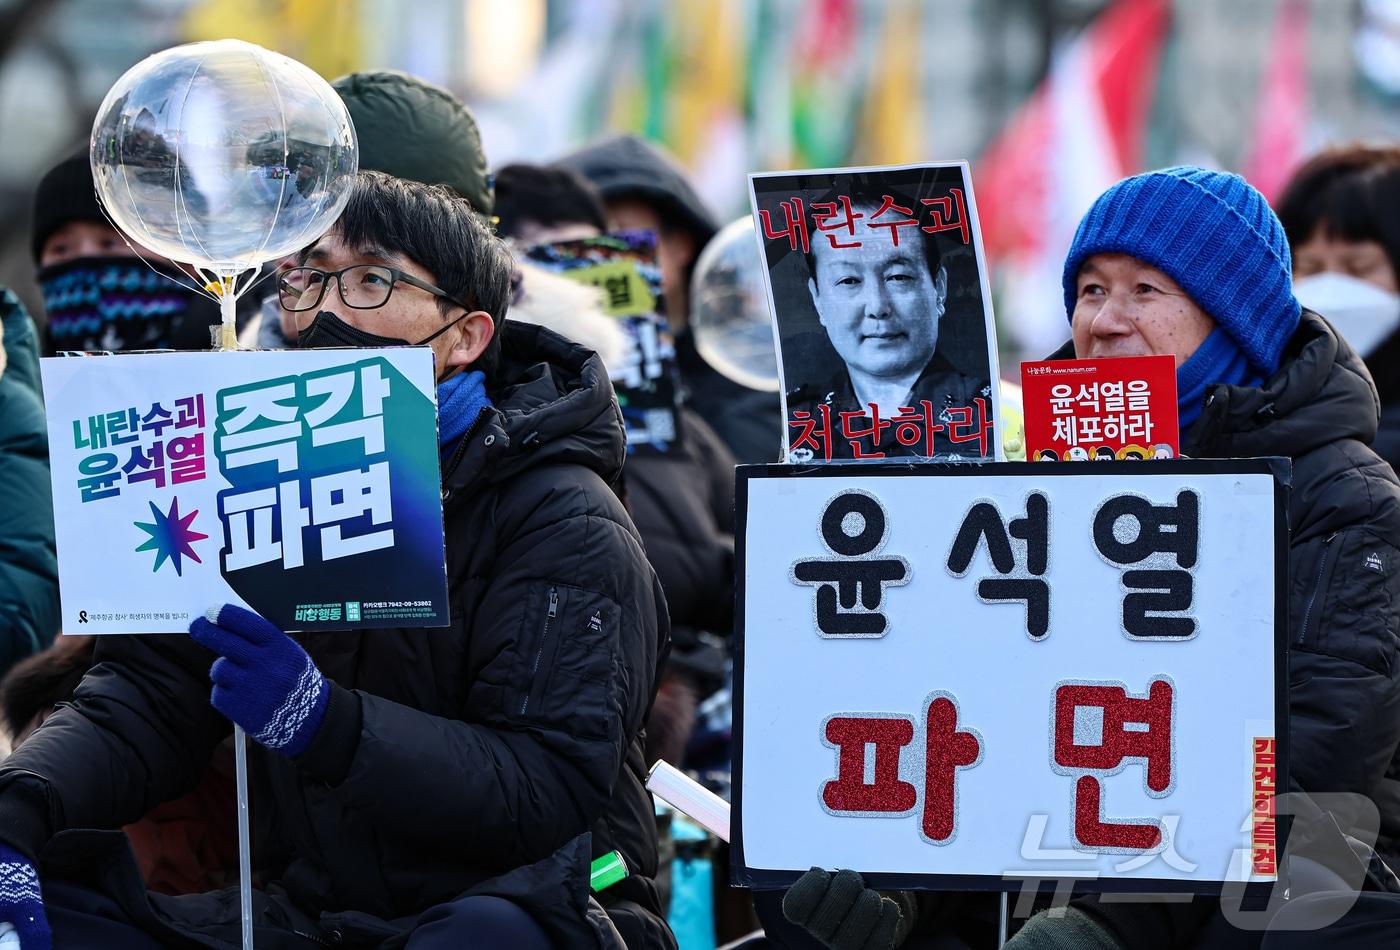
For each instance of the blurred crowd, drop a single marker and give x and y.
(1299, 356)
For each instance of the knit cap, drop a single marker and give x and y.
(410, 128)
(65, 194)
(1216, 236)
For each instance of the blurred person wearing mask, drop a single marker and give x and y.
(1341, 212)
(29, 614)
(681, 501)
(644, 188)
(421, 788)
(101, 292)
(1257, 375)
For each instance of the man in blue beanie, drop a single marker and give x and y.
(1193, 263)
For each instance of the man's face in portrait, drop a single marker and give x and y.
(878, 302)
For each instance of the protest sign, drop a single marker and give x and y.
(1082, 410)
(624, 267)
(303, 485)
(878, 287)
(1011, 672)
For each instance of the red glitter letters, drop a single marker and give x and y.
(1151, 740)
(849, 792)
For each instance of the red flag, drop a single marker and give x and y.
(1280, 116)
(1080, 132)
(1107, 76)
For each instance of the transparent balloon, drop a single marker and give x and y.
(223, 155)
(729, 309)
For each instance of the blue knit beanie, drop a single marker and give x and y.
(1215, 235)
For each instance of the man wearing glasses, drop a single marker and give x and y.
(420, 788)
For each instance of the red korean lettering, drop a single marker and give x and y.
(1128, 727)
(948, 214)
(814, 431)
(886, 205)
(794, 225)
(849, 791)
(947, 750)
(836, 215)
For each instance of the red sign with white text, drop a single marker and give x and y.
(1097, 410)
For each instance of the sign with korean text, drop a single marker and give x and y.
(877, 283)
(1012, 672)
(1100, 410)
(301, 484)
(625, 269)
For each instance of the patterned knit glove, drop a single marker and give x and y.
(264, 681)
(21, 905)
(840, 911)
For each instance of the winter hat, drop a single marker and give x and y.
(409, 128)
(625, 166)
(65, 194)
(1215, 235)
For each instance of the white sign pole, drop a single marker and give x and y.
(228, 340)
(245, 864)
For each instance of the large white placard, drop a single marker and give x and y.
(964, 676)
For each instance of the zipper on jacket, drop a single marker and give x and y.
(544, 638)
(460, 451)
(1317, 585)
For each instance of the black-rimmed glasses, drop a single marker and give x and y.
(362, 286)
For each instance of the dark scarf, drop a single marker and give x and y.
(121, 303)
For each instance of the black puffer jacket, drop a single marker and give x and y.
(683, 503)
(1320, 409)
(447, 757)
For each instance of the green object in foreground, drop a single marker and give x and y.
(607, 871)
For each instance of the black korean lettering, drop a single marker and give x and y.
(983, 522)
(1166, 592)
(1165, 529)
(1162, 543)
(850, 586)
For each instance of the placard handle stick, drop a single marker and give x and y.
(1001, 927)
(690, 798)
(224, 338)
(245, 864)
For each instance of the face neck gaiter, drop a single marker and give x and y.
(123, 303)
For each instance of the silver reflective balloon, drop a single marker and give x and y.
(223, 154)
(729, 309)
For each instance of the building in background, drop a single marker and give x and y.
(1051, 99)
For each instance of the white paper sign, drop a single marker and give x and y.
(959, 676)
(301, 484)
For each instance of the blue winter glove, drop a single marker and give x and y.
(263, 680)
(20, 901)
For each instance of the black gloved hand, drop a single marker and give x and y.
(840, 911)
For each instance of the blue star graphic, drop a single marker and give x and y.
(171, 536)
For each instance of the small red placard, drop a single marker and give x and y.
(1083, 410)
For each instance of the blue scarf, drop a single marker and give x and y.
(1217, 360)
(461, 399)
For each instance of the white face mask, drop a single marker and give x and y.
(1364, 314)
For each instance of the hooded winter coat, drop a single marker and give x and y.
(475, 759)
(28, 564)
(1319, 409)
(682, 501)
(747, 420)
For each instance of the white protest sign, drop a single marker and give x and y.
(303, 485)
(957, 676)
